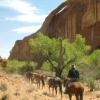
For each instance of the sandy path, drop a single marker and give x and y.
(17, 88)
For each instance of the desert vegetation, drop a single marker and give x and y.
(58, 55)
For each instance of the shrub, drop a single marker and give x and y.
(5, 97)
(91, 84)
(3, 87)
(15, 66)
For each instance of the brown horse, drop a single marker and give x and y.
(39, 79)
(54, 83)
(74, 88)
(29, 75)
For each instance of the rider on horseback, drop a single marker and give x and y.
(73, 74)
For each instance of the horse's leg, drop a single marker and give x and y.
(81, 96)
(32, 80)
(53, 90)
(60, 90)
(49, 88)
(56, 90)
(70, 96)
(39, 83)
(77, 96)
(43, 83)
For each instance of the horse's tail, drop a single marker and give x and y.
(60, 89)
(81, 96)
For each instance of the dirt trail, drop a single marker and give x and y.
(15, 87)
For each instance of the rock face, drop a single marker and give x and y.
(71, 17)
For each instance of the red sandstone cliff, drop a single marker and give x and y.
(71, 17)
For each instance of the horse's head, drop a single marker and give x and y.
(65, 80)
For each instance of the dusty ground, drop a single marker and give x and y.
(15, 87)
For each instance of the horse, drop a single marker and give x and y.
(74, 88)
(54, 83)
(39, 79)
(29, 75)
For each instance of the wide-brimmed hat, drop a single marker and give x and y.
(73, 66)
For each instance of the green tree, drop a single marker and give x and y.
(94, 58)
(58, 52)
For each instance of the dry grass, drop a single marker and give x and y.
(15, 87)
(3, 87)
(5, 97)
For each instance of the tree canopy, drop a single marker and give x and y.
(59, 52)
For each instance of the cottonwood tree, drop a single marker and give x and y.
(58, 52)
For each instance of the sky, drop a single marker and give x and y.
(20, 18)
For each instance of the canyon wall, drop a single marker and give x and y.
(70, 18)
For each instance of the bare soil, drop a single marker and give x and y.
(16, 87)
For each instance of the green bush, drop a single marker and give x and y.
(94, 58)
(15, 66)
(45, 66)
(31, 65)
(91, 84)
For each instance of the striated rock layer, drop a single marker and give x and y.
(71, 17)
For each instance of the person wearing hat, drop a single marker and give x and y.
(73, 74)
